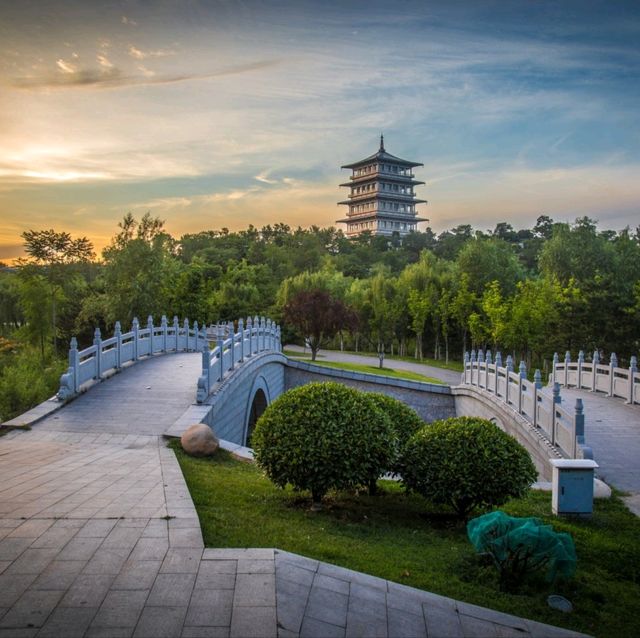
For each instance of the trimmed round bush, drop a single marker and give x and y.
(323, 436)
(467, 462)
(404, 421)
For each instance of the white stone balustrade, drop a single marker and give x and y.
(563, 428)
(598, 377)
(234, 348)
(108, 355)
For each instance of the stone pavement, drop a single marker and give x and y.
(99, 538)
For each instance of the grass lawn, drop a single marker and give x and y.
(436, 363)
(402, 538)
(359, 367)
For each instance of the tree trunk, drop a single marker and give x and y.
(357, 341)
(446, 349)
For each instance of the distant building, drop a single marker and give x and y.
(381, 198)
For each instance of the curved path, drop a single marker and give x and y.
(99, 537)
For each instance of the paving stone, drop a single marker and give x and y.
(54, 538)
(120, 609)
(80, 548)
(137, 574)
(406, 625)
(11, 548)
(31, 609)
(442, 622)
(32, 561)
(186, 537)
(327, 606)
(209, 579)
(172, 590)
(313, 628)
(107, 561)
(333, 584)
(150, 549)
(181, 561)
(254, 622)
(31, 528)
(238, 554)
(205, 632)
(210, 608)
(59, 575)
(70, 622)
(290, 610)
(367, 593)
(88, 590)
(160, 622)
(252, 566)
(13, 586)
(294, 573)
(254, 590)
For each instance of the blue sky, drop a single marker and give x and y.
(215, 114)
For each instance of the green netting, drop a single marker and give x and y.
(520, 545)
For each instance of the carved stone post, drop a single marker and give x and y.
(556, 359)
(278, 339)
(633, 369)
(256, 325)
(496, 381)
(196, 334)
(118, 335)
(150, 328)
(220, 344)
(250, 331)
(480, 368)
(135, 328)
(241, 331)
(97, 342)
(556, 400)
(537, 385)
(509, 370)
(580, 364)
(232, 346)
(596, 361)
(613, 364)
(578, 421)
(522, 371)
(567, 361)
(487, 363)
(472, 361)
(185, 329)
(204, 382)
(165, 328)
(74, 364)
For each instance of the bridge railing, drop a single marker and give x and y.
(563, 428)
(598, 376)
(234, 348)
(107, 355)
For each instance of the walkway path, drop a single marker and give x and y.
(450, 377)
(99, 537)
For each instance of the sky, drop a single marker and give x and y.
(213, 114)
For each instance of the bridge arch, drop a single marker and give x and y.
(259, 398)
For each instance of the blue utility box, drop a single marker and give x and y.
(572, 486)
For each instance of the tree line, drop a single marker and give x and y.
(552, 287)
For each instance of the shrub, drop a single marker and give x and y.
(521, 546)
(323, 436)
(467, 462)
(404, 421)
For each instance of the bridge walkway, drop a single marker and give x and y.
(99, 537)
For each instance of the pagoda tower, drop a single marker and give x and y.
(381, 198)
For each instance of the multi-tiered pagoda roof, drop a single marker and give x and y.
(382, 198)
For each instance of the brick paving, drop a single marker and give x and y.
(99, 538)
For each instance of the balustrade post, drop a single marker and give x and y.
(580, 364)
(480, 368)
(509, 368)
(556, 359)
(206, 368)
(465, 367)
(135, 328)
(633, 369)
(537, 385)
(578, 426)
(165, 328)
(185, 329)
(472, 361)
(241, 331)
(270, 332)
(496, 381)
(232, 336)
(263, 328)
(176, 331)
(256, 325)
(596, 362)
(196, 335)
(278, 339)
(487, 363)
(557, 399)
(522, 370)
(97, 342)
(613, 364)
(250, 331)
(74, 364)
(567, 361)
(151, 329)
(118, 335)
(220, 344)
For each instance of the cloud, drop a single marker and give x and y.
(66, 67)
(128, 21)
(112, 77)
(138, 54)
(104, 61)
(264, 178)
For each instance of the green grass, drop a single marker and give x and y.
(401, 538)
(5, 429)
(359, 367)
(456, 366)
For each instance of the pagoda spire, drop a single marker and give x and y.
(381, 143)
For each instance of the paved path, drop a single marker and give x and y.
(99, 538)
(450, 377)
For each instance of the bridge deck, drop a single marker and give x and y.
(99, 537)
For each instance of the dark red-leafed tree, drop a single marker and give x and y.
(318, 316)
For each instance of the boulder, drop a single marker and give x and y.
(601, 489)
(199, 440)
